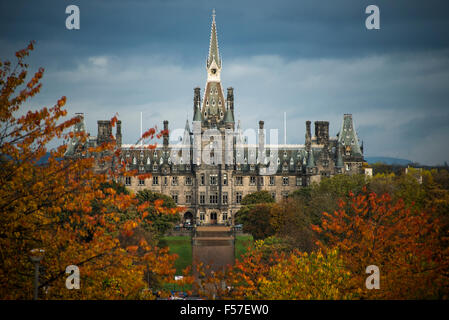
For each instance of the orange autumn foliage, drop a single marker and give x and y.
(50, 206)
(407, 245)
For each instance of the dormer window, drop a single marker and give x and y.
(219, 102)
(207, 102)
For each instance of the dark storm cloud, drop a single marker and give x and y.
(288, 28)
(313, 59)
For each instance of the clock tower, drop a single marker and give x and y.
(216, 111)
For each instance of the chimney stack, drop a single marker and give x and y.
(166, 134)
(118, 134)
(322, 132)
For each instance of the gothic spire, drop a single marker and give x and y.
(214, 53)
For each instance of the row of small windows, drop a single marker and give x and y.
(213, 216)
(213, 102)
(213, 198)
(164, 180)
(213, 180)
(238, 154)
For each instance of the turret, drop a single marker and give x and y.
(308, 135)
(261, 142)
(196, 99)
(348, 139)
(230, 99)
(118, 134)
(166, 135)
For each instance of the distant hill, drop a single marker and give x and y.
(44, 159)
(388, 160)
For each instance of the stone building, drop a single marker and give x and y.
(214, 165)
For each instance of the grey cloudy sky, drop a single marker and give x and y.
(314, 60)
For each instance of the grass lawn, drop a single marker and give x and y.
(182, 246)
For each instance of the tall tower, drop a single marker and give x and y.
(214, 105)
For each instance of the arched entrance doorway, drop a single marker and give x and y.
(213, 218)
(188, 219)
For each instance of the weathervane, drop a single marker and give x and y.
(213, 14)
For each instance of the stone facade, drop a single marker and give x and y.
(214, 167)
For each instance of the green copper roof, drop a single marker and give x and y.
(187, 127)
(229, 117)
(348, 135)
(311, 160)
(214, 54)
(197, 116)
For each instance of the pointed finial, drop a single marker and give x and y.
(213, 15)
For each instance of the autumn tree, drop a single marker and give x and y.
(256, 220)
(257, 197)
(303, 276)
(291, 222)
(254, 214)
(157, 221)
(323, 196)
(405, 244)
(271, 270)
(62, 206)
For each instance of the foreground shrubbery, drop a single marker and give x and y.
(320, 241)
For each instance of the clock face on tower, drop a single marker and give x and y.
(214, 71)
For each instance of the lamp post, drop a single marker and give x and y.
(36, 256)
